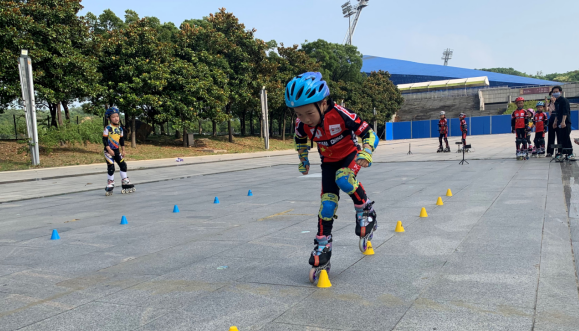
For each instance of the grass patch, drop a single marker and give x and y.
(14, 155)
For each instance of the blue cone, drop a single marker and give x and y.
(249, 194)
(124, 220)
(175, 209)
(55, 235)
(216, 200)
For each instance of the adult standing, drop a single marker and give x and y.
(551, 132)
(563, 122)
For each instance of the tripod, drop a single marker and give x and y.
(409, 152)
(463, 151)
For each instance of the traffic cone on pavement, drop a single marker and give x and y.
(423, 212)
(439, 202)
(399, 227)
(448, 193)
(324, 281)
(369, 249)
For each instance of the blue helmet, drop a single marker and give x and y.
(540, 103)
(110, 111)
(305, 89)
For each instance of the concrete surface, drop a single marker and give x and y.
(497, 256)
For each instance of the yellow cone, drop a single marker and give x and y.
(233, 328)
(399, 227)
(324, 281)
(423, 212)
(439, 202)
(448, 193)
(369, 249)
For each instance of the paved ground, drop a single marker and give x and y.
(497, 256)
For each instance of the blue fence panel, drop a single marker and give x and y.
(501, 124)
(420, 129)
(401, 130)
(434, 129)
(480, 125)
(574, 119)
(389, 131)
(455, 128)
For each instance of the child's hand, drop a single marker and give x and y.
(576, 140)
(362, 163)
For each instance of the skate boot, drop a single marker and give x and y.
(366, 224)
(518, 155)
(127, 186)
(447, 149)
(320, 258)
(439, 149)
(559, 158)
(534, 152)
(110, 187)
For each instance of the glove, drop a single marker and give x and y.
(365, 154)
(302, 166)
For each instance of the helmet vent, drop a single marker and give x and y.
(300, 92)
(293, 87)
(321, 87)
(311, 94)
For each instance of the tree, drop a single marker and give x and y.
(58, 43)
(337, 61)
(135, 67)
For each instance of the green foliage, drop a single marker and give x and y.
(338, 62)
(507, 71)
(571, 76)
(70, 133)
(528, 104)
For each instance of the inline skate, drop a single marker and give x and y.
(110, 187)
(440, 150)
(127, 186)
(320, 258)
(366, 224)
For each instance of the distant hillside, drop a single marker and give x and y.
(571, 76)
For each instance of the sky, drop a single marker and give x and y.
(529, 35)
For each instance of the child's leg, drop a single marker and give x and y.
(347, 182)
(110, 165)
(440, 139)
(446, 140)
(122, 164)
(463, 139)
(329, 204)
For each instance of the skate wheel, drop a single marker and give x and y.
(123, 191)
(363, 245)
(313, 275)
(134, 189)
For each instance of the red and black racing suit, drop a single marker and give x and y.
(519, 123)
(338, 147)
(443, 132)
(540, 125)
(464, 130)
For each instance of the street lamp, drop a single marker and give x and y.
(27, 86)
(24, 52)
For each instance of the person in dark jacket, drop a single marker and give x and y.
(562, 122)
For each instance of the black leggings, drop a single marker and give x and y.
(552, 134)
(521, 138)
(539, 140)
(336, 176)
(111, 159)
(564, 138)
(443, 136)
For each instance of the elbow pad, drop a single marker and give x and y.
(371, 139)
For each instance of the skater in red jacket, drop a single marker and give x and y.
(335, 130)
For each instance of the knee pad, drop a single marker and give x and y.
(123, 165)
(328, 206)
(346, 180)
(111, 169)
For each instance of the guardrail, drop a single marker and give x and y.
(477, 125)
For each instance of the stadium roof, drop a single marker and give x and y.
(405, 72)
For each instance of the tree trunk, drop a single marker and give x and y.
(200, 127)
(162, 129)
(270, 127)
(133, 133)
(243, 123)
(184, 137)
(283, 132)
(214, 128)
(52, 108)
(251, 122)
(66, 112)
(59, 114)
(229, 129)
(279, 123)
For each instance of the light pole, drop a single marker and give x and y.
(27, 86)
